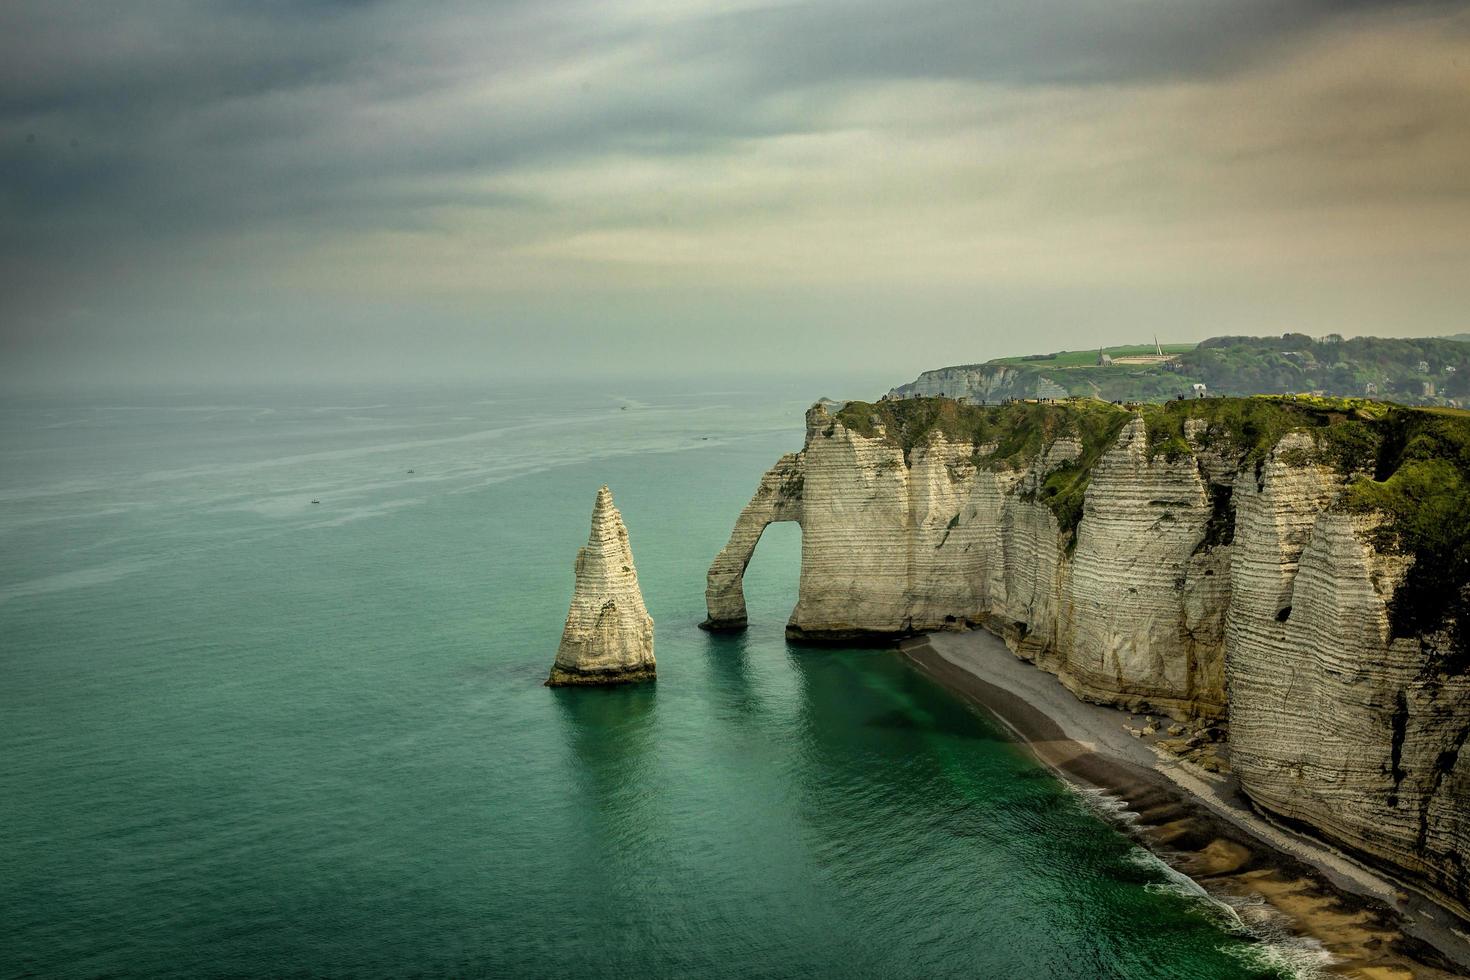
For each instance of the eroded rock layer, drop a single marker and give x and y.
(778, 498)
(1228, 560)
(608, 637)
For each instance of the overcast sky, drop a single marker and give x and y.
(236, 189)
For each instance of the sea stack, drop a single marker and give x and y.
(608, 638)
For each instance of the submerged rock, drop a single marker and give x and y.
(608, 638)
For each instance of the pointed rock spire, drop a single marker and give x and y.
(608, 638)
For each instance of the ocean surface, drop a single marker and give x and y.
(247, 734)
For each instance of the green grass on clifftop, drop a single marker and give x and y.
(1346, 430)
(1088, 358)
(1019, 430)
(1416, 371)
(1422, 486)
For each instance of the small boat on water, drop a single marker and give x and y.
(316, 501)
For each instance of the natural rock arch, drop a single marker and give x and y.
(778, 498)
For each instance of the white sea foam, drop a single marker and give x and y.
(1276, 946)
(1273, 947)
(1106, 805)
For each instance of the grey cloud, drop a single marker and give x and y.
(243, 113)
(139, 130)
(1018, 41)
(165, 116)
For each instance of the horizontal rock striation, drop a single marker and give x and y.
(1206, 560)
(975, 382)
(1336, 723)
(778, 498)
(608, 637)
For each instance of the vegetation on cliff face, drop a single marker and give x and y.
(1347, 431)
(1018, 431)
(1004, 436)
(1422, 487)
(1065, 488)
(1411, 464)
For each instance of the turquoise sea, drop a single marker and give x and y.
(245, 734)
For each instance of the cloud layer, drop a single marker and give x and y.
(520, 180)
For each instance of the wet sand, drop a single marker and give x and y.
(1200, 824)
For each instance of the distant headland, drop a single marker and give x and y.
(1419, 371)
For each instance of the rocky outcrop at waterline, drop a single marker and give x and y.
(1299, 567)
(608, 637)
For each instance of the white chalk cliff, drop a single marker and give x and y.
(1197, 583)
(608, 638)
(977, 382)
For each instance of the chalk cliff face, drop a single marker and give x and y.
(608, 638)
(895, 546)
(1336, 723)
(1202, 579)
(778, 498)
(978, 382)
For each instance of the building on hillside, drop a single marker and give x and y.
(1370, 388)
(1157, 357)
(1423, 367)
(1145, 359)
(1198, 388)
(1104, 359)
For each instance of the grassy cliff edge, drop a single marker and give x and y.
(1411, 465)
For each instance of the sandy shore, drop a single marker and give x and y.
(1200, 823)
